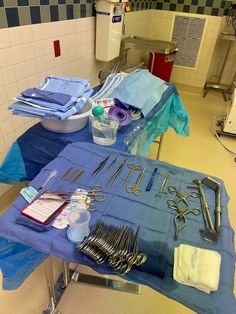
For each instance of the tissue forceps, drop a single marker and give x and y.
(100, 166)
(111, 164)
(182, 197)
(180, 219)
(116, 173)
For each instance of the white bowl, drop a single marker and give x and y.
(72, 124)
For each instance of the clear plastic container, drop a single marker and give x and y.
(79, 225)
(104, 130)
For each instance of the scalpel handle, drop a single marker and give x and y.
(150, 183)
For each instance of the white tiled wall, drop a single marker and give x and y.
(27, 57)
(138, 23)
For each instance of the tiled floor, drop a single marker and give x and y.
(201, 152)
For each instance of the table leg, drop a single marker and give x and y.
(66, 274)
(55, 291)
(48, 271)
(159, 142)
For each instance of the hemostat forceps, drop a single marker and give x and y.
(132, 168)
(92, 193)
(182, 197)
(135, 189)
(180, 219)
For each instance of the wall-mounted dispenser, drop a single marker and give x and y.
(109, 28)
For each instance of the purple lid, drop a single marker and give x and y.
(121, 113)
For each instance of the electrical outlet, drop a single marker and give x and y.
(57, 48)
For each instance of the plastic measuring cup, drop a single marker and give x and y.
(104, 127)
(79, 225)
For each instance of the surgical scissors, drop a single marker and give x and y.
(135, 189)
(116, 173)
(97, 197)
(181, 216)
(182, 197)
(132, 168)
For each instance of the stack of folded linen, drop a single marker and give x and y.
(56, 98)
(139, 89)
(199, 268)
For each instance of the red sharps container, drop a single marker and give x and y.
(161, 60)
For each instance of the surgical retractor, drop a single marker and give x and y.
(216, 186)
(209, 233)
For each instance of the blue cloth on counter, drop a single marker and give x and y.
(153, 216)
(20, 109)
(38, 146)
(41, 104)
(22, 220)
(140, 89)
(54, 97)
(74, 86)
(49, 111)
(77, 89)
(112, 81)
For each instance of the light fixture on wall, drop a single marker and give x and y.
(231, 17)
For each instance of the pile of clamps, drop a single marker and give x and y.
(114, 245)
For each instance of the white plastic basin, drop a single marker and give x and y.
(72, 124)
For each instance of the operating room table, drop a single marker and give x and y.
(149, 212)
(38, 146)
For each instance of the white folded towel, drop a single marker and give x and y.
(199, 268)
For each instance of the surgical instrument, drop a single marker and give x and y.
(150, 183)
(86, 201)
(181, 216)
(208, 233)
(116, 173)
(100, 166)
(214, 185)
(111, 165)
(135, 257)
(66, 173)
(93, 192)
(78, 176)
(48, 179)
(164, 183)
(132, 168)
(72, 176)
(134, 189)
(205, 207)
(182, 197)
(113, 245)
